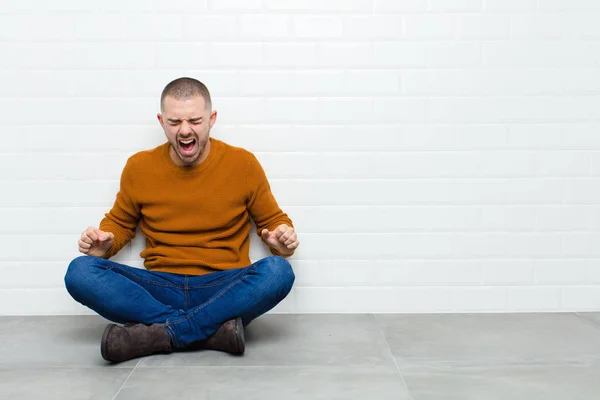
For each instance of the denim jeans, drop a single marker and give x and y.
(191, 307)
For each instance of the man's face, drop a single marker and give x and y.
(187, 125)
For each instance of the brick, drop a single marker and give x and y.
(562, 164)
(92, 55)
(577, 244)
(428, 82)
(510, 6)
(373, 27)
(580, 298)
(452, 55)
(236, 54)
(344, 110)
(429, 26)
(169, 55)
(580, 26)
(265, 83)
(58, 193)
(67, 138)
(441, 273)
(120, 6)
(380, 219)
(96, 27)
(319, 5)
(207, 28)
(480, 299)
(321, 83)
(511, 82)
(180, 5)
(59, 166)
(154, 27)
(18, 28)
(296, 110)
(529, 244)
(400, 109)
(264, 26)
(569, 5)
(482, 26)
(240, 109)
(509, 218)
(535, 136)
(566, 218)
(97, 83)
(53, 247)
(561, 272)
(400, 54)
(371, 82)
(290, 55)
(318, 27)
(234, 5)
(466, 6)
(32, 275)
(535, 299)
(542, 26)
(49, 220)
(40, 84)
(344, 55)
(329, 137)
(80, 111)
(540, 54)
(404, 6)
(505, 272)
(580, 136)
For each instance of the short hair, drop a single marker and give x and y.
(185, 88)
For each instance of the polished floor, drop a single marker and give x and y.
(341, 356)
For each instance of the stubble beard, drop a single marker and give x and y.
(187, 161)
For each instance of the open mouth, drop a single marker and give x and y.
(187, 146)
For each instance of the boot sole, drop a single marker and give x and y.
(103, 342)
(239, 335)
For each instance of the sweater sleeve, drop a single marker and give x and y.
(261, 203)
(123, 218)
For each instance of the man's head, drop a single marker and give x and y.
(187, 117)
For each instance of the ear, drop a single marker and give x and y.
(212, 119)
(160, 119)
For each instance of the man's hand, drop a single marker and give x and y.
(283, 239)
(95, 242)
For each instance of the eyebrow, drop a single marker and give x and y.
(189, 119)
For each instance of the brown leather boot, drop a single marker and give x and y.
(229, 338)
(122, 343)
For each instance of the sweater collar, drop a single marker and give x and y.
(215, 153)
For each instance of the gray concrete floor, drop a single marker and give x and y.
(343, 356)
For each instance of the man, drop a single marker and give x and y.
(193, 198)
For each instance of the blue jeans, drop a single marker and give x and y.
(191, 307)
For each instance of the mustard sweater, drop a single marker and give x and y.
(195, 220)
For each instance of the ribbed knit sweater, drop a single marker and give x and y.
(196, 220)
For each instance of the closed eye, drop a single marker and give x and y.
(174, 122)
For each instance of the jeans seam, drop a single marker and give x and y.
(211, 300)
(136, 277)
(172, 334)
(186, 292)
(218, 282)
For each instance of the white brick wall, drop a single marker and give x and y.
(436, 155)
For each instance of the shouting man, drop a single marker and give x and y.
(193, 197)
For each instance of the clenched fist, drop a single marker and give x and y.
(283, 239)
(95, 242)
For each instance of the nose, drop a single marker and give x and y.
(185, 128)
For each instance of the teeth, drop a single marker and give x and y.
(187, 141)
